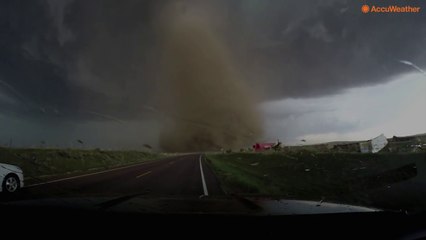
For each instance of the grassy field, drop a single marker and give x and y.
(334, 177)
(41, 164)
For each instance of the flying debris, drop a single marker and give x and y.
(412, 65)
(149, 108)
(343, 10)
(79, 141)
(17, 94)
(303, 140)
(277, 146)
(105, 116)
(13, 90)
(378, 143)
(147, 146)
(374, 145)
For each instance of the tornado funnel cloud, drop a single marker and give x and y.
(209, 105)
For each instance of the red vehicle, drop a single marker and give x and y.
(258, 147)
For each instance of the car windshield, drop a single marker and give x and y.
(214, 106)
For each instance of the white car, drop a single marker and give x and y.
(11, 178)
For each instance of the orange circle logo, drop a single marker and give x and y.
(365, 8)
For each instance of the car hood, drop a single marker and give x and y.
(193, 205)
(12, 168)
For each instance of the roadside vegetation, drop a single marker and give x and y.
(333, 177)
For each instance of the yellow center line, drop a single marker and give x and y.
(143, 174)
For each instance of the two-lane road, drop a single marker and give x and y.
(186, 175)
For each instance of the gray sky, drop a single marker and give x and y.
(89, 70)
(392, 108)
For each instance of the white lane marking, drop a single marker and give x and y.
(206, 193)
(86, 175)
(143, 174)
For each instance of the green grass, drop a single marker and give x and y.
(306, 175)
(41, 164)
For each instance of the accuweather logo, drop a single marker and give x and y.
(365, 8)
(389, 9)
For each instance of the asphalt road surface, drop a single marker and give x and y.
(187, 176)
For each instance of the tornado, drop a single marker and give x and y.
(209, 106)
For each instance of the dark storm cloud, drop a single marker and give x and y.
(33, 63)
(73, 58)
(310, 49)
